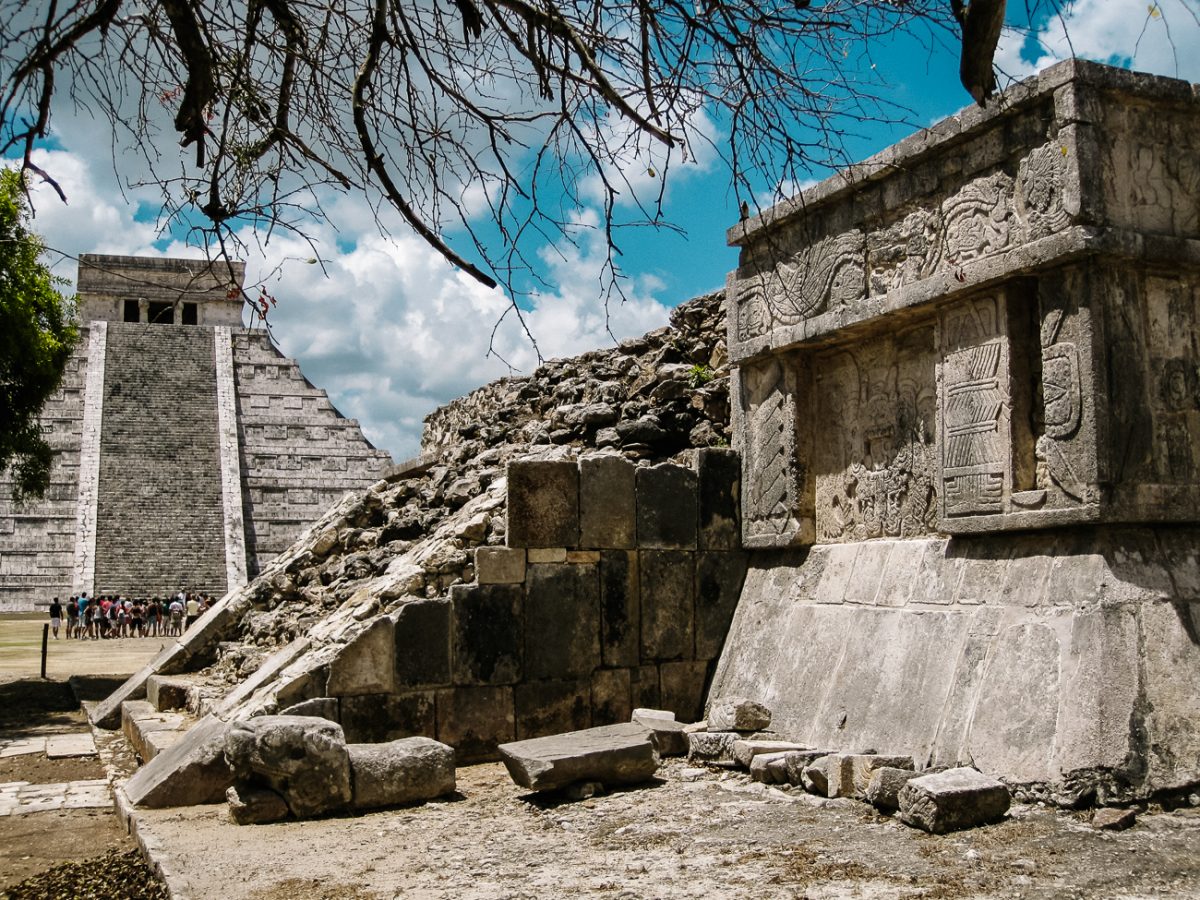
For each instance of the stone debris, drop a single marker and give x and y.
(738, 714)
(301, 758)
(714, 748)
(668, 735)
(847, 774)
(769, 768)
(883, 788)
(1113, 819)
(953, 800)
(610, 754)
(744, 751)
(408, 770)
(798, 761)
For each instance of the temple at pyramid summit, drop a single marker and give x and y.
(189, 450)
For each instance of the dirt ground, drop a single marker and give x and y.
(690, 834)
(32, 707)
(21, 648)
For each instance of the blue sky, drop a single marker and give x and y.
(392, 332)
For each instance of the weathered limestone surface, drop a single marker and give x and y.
(409, 770)
(609, 754)
(951, 800)
(193, 770)
(986, 332)
(301, 758)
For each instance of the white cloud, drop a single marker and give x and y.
(1162, 38)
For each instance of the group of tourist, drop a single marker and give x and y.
(120, 617)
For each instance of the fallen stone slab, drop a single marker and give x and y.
(610, 754)
(644, 713)
(408, 770)
(191, 771)
(953, 800)
(668, 735)
(255, 806)
(714, 748)
(68, 746)
(744, 751)
(22, 747)
(301, 758)
(883, 789)
(738, 714)
(1111, 819)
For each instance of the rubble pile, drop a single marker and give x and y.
(649, 399)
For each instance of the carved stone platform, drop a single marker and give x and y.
(989, 328)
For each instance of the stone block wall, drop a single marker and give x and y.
(298, 454)
(37, 541)
(615, 590)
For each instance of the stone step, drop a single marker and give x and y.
(149, 731)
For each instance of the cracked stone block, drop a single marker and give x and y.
(738, 714)
(611, 755)
(712, 747)
(953, 800)
(409, 770)
(607, 507)
(543, 503)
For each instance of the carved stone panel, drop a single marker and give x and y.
(974, 407)
(770, 478)
(874, 460)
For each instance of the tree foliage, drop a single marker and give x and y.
(482, 122)
(37, 335)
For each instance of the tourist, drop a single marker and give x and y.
(176, 610)
(98, 622)
(153, 616)
(137, 625)
(73, 618)
(193, 610)
(55, 616)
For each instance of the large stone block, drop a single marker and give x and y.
(719, 578)
(409, 770)
(719, 473)
(620, 608)
(611, 754)
(302, 759)
(607, 505)
(952, 800)
(549, 707)
(543, 503)
(683, 684)
(562, 621)
(738, 714)
(366, 665)
(610, 696)
(668, 608)
(667, 510)
(644, 689)
(422, 640)
(374, 718)
(193, 770)
(488, 633)
(166, 693)
(499, 565)
(474, 720)
(714, 748)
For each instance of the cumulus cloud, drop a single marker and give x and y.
(1162, 38)
(386, 326)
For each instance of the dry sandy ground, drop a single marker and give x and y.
(688, 835)
(21, 648)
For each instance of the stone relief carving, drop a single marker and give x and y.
(830, 272)
(770, 470)
(974, 407)
(985, 216)
(1062, 410)
(1040, 182)
(875, 463)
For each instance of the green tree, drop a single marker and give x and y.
(37, 335)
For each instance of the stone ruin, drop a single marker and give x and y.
(957, 526)
(189, 451)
